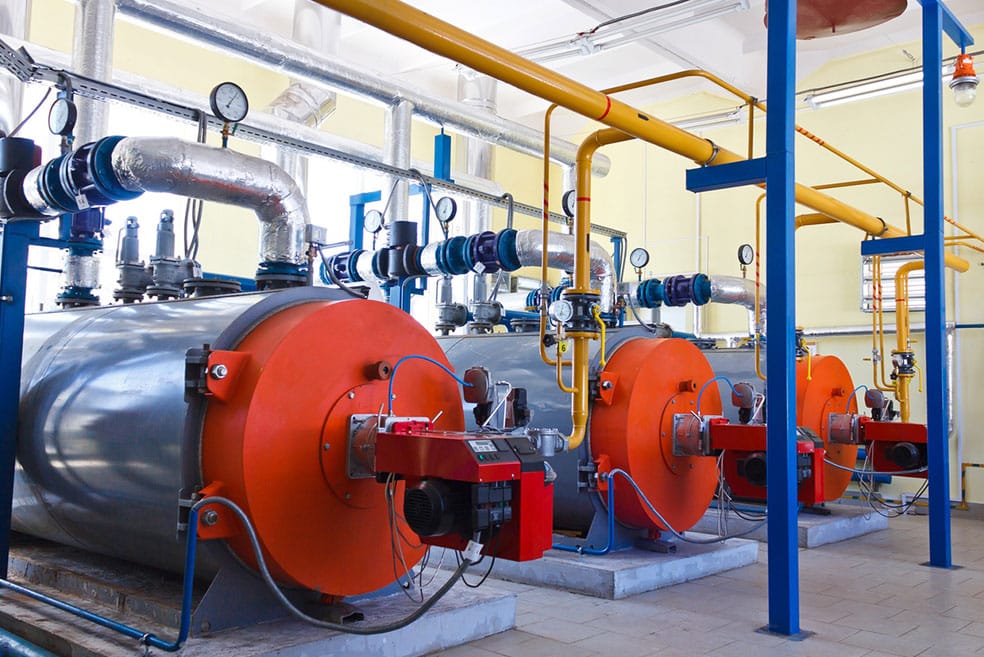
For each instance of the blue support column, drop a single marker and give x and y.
(16, 238)
(936, 424)
(784, 616)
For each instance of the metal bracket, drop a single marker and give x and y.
(196, 372)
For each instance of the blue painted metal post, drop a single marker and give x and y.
(937, 445)
(781, 322)
(16, 238)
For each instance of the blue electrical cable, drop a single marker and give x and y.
(721, 377)
(389, 394)
(611, 528)
(851, 398)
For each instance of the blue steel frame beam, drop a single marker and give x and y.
(16, 237)
(936, 19)
(784, 611)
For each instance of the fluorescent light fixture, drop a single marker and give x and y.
(619, 32)
(871, 89)
(731, 117)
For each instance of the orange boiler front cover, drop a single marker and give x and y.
(656, 379)
(277, 443)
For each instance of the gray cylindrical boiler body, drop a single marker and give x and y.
(515, 357)
(107, 442)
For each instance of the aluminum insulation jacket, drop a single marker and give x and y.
(741, 292)
(92, 54)
(299, 62)
(154, 164)
(560, 255)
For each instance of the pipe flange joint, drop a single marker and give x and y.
(649, 294)
(103, 175)
(483, 251)
(411, 261)
(715, 150)
(458, 256)
(351, 271)
(884, 227)
(339, 265)
(506, 250)
(681, 290)
(380, 266)
(277, 275)
(54, 189)
(583, 304)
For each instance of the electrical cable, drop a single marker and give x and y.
(851, 396)
(652, 328)
(635, 14)
(666, 525)
(494, 549)
(334, 279)
(31, 114)
(338, 627)
(720, 377)
(872, 472)
(448, 371)
(396, 544)
(195, 207)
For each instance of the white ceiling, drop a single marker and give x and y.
(732, 47)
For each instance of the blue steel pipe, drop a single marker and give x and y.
(145, 638)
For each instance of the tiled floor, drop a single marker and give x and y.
(865, 597)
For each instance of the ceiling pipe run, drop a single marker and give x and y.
(92, 56)
(171, 166)
(302, 63)
(308, 104)
(15, 17)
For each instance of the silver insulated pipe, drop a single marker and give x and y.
(170, 166)
(298, 62)
(741, 292)
(560, 255)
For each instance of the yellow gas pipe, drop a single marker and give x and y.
(582, 276)
(902, 333)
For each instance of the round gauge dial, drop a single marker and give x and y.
(62, 117)
(445, 208)
(373, 221)
(229, 102)
(639, 258)
(569, 202)
(561, 311)
(746, 254)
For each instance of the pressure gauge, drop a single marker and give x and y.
(62, 117)
(228, 102)
(569, 203)
(373, 221)
(746, 254)
(639, 258)
(445, 208)
(561, 311)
